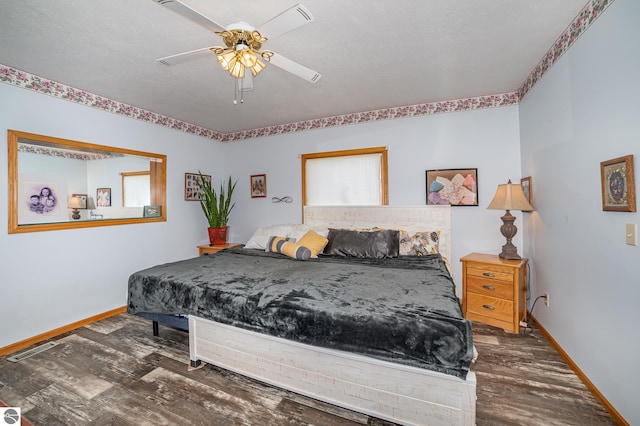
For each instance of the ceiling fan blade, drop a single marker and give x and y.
(185, 56)
(288, 20)
(294, 68)
(180, 8)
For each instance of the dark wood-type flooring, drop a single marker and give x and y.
(114, 372)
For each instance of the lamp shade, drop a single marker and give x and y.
(75, 203)
(91, 204)
(509, 196)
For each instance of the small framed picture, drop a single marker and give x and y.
(103, 195)
(456, 187)
(152, 211)
(83, 199)
(258, 186)
(192, 191)
(618, 185)
(525, 182)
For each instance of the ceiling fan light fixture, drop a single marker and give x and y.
(248, 58)
(236, 59)
(237, 69)
(257, 67)
(227, 59)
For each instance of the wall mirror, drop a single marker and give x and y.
(63, 184)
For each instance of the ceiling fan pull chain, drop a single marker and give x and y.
(236, 83)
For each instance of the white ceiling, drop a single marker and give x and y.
(372, 54)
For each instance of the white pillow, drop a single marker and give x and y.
(298, 231)
(322, 230)
(260, 238)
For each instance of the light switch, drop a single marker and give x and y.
(632, 234)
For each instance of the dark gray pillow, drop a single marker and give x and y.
(373, 244)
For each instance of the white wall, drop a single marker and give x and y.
(585, 110)
(51, 279)
(485, 139)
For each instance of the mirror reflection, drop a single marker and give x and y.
(58, 183)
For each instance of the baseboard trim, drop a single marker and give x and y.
(592, 388)
(58, 331)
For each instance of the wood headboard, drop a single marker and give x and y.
(409, 218)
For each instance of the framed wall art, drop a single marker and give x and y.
(456, 187)
(525, 182)
(42, 201)
(618, 185)
(192, 190)
(152, 211)
(258, 186)
(103, 197)
(83, 199)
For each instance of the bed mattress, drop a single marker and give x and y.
(403, 310)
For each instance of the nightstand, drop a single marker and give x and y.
(214, 249)
(494, 290)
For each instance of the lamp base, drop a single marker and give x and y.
(75, 214)
(508, 230)
(509, 252)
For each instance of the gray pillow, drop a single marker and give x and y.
(371, 244)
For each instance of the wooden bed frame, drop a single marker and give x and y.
(393, 392)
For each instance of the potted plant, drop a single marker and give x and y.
(216, 207)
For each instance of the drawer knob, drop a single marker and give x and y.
(488, 274)
(489, 287)
(491, 308)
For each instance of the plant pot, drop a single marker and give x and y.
(218, 236)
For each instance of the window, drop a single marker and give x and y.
(351, 177)
(136, 189)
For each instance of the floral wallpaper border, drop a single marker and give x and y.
(579, 25)
(42, 150)
(584, 19)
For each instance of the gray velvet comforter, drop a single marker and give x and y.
(402, 310)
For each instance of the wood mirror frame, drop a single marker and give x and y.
(157, 170)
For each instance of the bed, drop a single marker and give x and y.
(331, 327)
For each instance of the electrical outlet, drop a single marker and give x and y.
(546, 298)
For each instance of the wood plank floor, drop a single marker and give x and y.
(114, 372)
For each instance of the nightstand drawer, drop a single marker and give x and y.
(490, 287)
(493, 307)
(492, 272)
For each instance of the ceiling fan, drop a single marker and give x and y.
(243, 43)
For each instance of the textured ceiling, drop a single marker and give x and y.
(371, 54)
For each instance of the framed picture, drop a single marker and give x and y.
(258, 186)
(42, 200)
(525, 182)
(103, 197)
(83, 198)
(618, 185)
(192, 190)
(152, 211)
(456, 187)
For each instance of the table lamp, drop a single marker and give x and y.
(508, 197)
(75, 203)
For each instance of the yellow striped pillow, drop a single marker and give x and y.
(284, 246)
